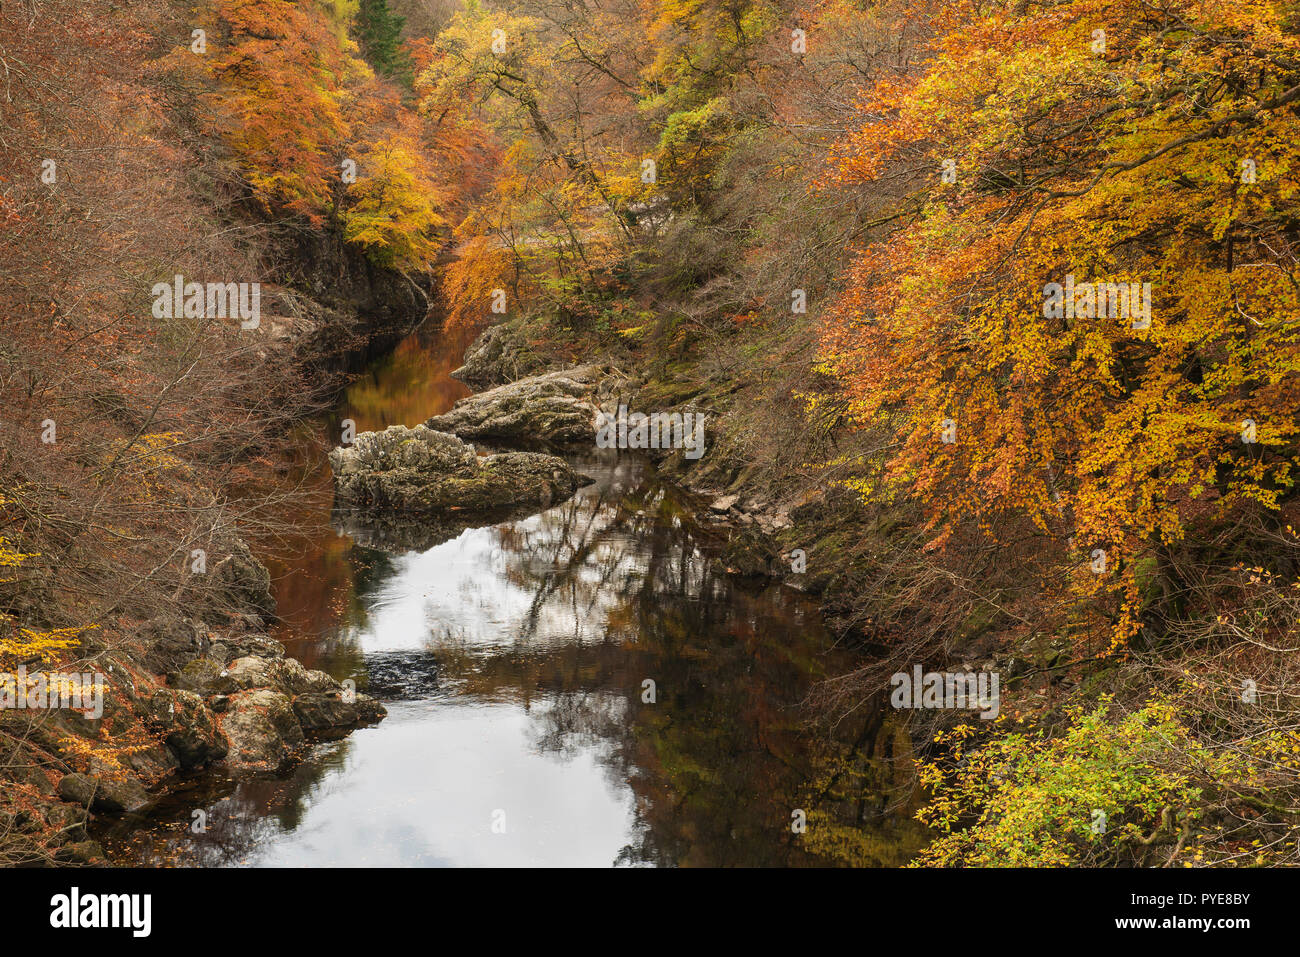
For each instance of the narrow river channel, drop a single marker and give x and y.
(514, 661)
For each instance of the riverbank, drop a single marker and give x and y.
(144, 432)
(196, 683)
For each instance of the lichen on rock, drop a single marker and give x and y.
(421, 471)
(557, 408)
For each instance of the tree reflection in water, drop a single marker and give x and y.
(513, 658)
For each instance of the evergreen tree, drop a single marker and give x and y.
(380, 35)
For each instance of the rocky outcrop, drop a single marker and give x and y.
(557, 408)
(227, 697)
(177, 696)
(230, 647)
(242, 583)
(188, 727)
(421, 471)
(323, 710)
(258, 706)
(103, 793)
(287, 674)
(335, 308)
(262, 728)
(499, 355)
(169, 645)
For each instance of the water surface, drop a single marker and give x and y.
(580, 687)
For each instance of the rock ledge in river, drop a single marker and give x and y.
(558, 408)
(420, 470)
(499, 355)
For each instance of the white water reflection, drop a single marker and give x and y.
(422, 788)
(423, 792)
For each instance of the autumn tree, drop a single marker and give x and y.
(1098, 146)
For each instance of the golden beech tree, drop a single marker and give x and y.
(1085, 314)
(313, 132)
(393, 213)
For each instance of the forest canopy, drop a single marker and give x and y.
(997, 300)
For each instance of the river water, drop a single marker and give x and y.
(577, 687)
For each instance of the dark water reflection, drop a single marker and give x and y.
(516, 662)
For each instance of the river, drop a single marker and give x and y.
(578, 687)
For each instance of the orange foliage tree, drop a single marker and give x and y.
(1085, 314)
(312, 131)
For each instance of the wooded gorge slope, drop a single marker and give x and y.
(139, 144)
